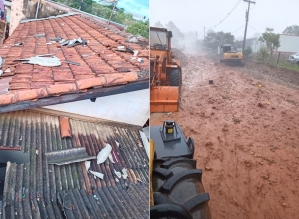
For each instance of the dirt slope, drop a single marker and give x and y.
(246, 132)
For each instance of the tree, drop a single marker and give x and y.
(175, 30)
(271, 39)
(140, 28)
(158, 24)
(247, 51)
(292, 30)
(262, 54)
(215, 39)
(178, 36)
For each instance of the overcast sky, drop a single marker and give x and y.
(194, 15)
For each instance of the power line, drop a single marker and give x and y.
(227, 15)
(254, 28)
(238, 28)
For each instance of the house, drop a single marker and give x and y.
(288, 43)
(47, 175)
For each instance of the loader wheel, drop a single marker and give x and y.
(178, 190)
(175, 77)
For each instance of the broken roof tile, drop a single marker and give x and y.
(96, 59)
(65, 128)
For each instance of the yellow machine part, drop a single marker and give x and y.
(233, 55)
(151, 164)
(164, 99)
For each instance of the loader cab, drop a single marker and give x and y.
(160, 38)
(226, 48)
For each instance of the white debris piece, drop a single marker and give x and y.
(1, 72)
(43, 61)
(117, 180)
(121, 48)
(118, 174)
(116, 142)
(133, 39)
(125, 175)
(1, 60)
(145, 143)
(87, 165)
(103, 154)
(97, 174)
(111, 158)
(135, 52)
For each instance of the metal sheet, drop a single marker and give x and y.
(67, 156)
(131, 108)
(164, 99)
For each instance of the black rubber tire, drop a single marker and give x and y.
(177, 182)
(175, 78)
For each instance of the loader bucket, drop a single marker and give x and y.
(164, 99)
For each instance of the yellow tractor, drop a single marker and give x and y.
(165, 73)
(231, 57)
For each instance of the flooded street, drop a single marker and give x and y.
(245, 128)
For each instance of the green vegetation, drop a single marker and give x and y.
(292, 30)
(271, 39)
(262, 54)
(140, 28)
(215, 39)
(247, 51)
(104, 11)
(286, 65)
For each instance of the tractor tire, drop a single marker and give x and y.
(178, 190)
(175, 77)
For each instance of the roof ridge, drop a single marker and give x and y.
(51, 17)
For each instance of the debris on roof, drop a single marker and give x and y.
(38, 189)
(67, 156)
(42, 61)
(104, 154)
(92, 65)
(97, 174)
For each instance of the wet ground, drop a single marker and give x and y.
(245, 127)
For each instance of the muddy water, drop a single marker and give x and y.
(246, 139)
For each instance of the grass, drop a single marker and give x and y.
(286, 65)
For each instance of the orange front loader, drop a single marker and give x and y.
(165, 73)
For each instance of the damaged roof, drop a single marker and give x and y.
(98, 64)
(41, 190)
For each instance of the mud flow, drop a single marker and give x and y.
(245, 128)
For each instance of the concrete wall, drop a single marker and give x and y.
(256, 45)
(26, 9)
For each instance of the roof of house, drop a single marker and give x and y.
(38, 189)
(97, 64)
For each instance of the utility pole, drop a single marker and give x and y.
(115, 2)
(247, 18)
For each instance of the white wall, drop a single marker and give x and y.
(131, 108)
(288, 43)
(256, 45)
